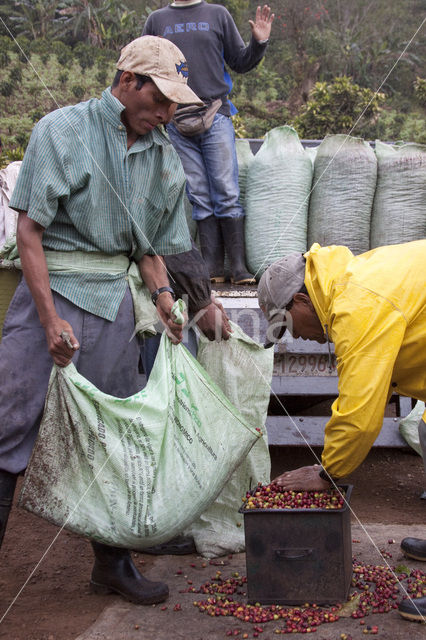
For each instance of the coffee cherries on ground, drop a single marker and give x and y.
(375, 589)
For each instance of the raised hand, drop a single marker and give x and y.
(261, 26)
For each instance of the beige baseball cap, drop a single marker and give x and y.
(164, 63)
(277, 286)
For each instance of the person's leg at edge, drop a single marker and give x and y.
(25, 367)
(24, 357)
(415, 548)
(220, 157)
(198, 191)
(7, 490)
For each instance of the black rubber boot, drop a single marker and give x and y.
(178, 546)
(7, 489)
(212, 248)
(414, 548)
(413, 609)
(233, 238)
(114, 572)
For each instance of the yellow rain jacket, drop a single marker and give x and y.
(374, 308)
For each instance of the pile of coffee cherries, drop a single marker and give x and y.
(221, 602)
(271, 496)
(375, 589)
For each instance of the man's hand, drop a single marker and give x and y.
(164, 306)
(61, 341)
(213, 321)
(303, 479)
(29, 238)
(261, 26)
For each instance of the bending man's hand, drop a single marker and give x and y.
(213, 321)
(261, 26)
(61, 341)
(164, 306)
(303, 479)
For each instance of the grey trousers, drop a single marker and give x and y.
(108, 357)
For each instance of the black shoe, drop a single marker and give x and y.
(212, 248)
(114, 572)
(7, 489)
(233, 238)
(414, 548)
(413, 609)
(179, 546)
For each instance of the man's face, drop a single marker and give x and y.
(304, 322)
(145, 108)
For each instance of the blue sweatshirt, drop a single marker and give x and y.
(208, 37)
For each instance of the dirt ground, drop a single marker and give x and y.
(44, 592)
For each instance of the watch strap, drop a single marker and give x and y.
(157, 292)
(326, 476)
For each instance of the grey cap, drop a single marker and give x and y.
(277, 286)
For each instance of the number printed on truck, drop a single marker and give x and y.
(304, 364)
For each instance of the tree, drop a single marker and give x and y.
(340, 106)
(420, 91)
(82, 19)
(100, 23)
(365, 39)
(34, 18)
(291, 37)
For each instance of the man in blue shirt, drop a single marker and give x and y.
(209, 38)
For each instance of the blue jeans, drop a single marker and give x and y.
(211, 168)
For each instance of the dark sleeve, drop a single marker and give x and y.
(236, 55)
(148, 29)
(189, 276)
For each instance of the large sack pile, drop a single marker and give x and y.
(345, 172)
(339, 192)
(277, 197)
(399, 210)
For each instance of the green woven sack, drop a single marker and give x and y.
(409, 427)
(345, 171)
(245, 157)
(220, 529)
(136, 471)
(277, 196)
(399, 210)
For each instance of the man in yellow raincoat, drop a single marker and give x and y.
(373, 308)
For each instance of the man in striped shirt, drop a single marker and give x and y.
(100, 186)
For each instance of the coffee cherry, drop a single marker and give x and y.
(273, 497)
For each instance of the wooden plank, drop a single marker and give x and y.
(301, 431)
(304, 385)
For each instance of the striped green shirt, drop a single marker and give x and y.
(90, 193)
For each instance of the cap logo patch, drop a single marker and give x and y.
(182, 68)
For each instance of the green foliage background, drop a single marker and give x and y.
(332, 66)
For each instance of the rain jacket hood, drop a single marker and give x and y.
(373, 307)
(324, 265)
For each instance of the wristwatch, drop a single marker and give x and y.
(326, 476)
(157, 292)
